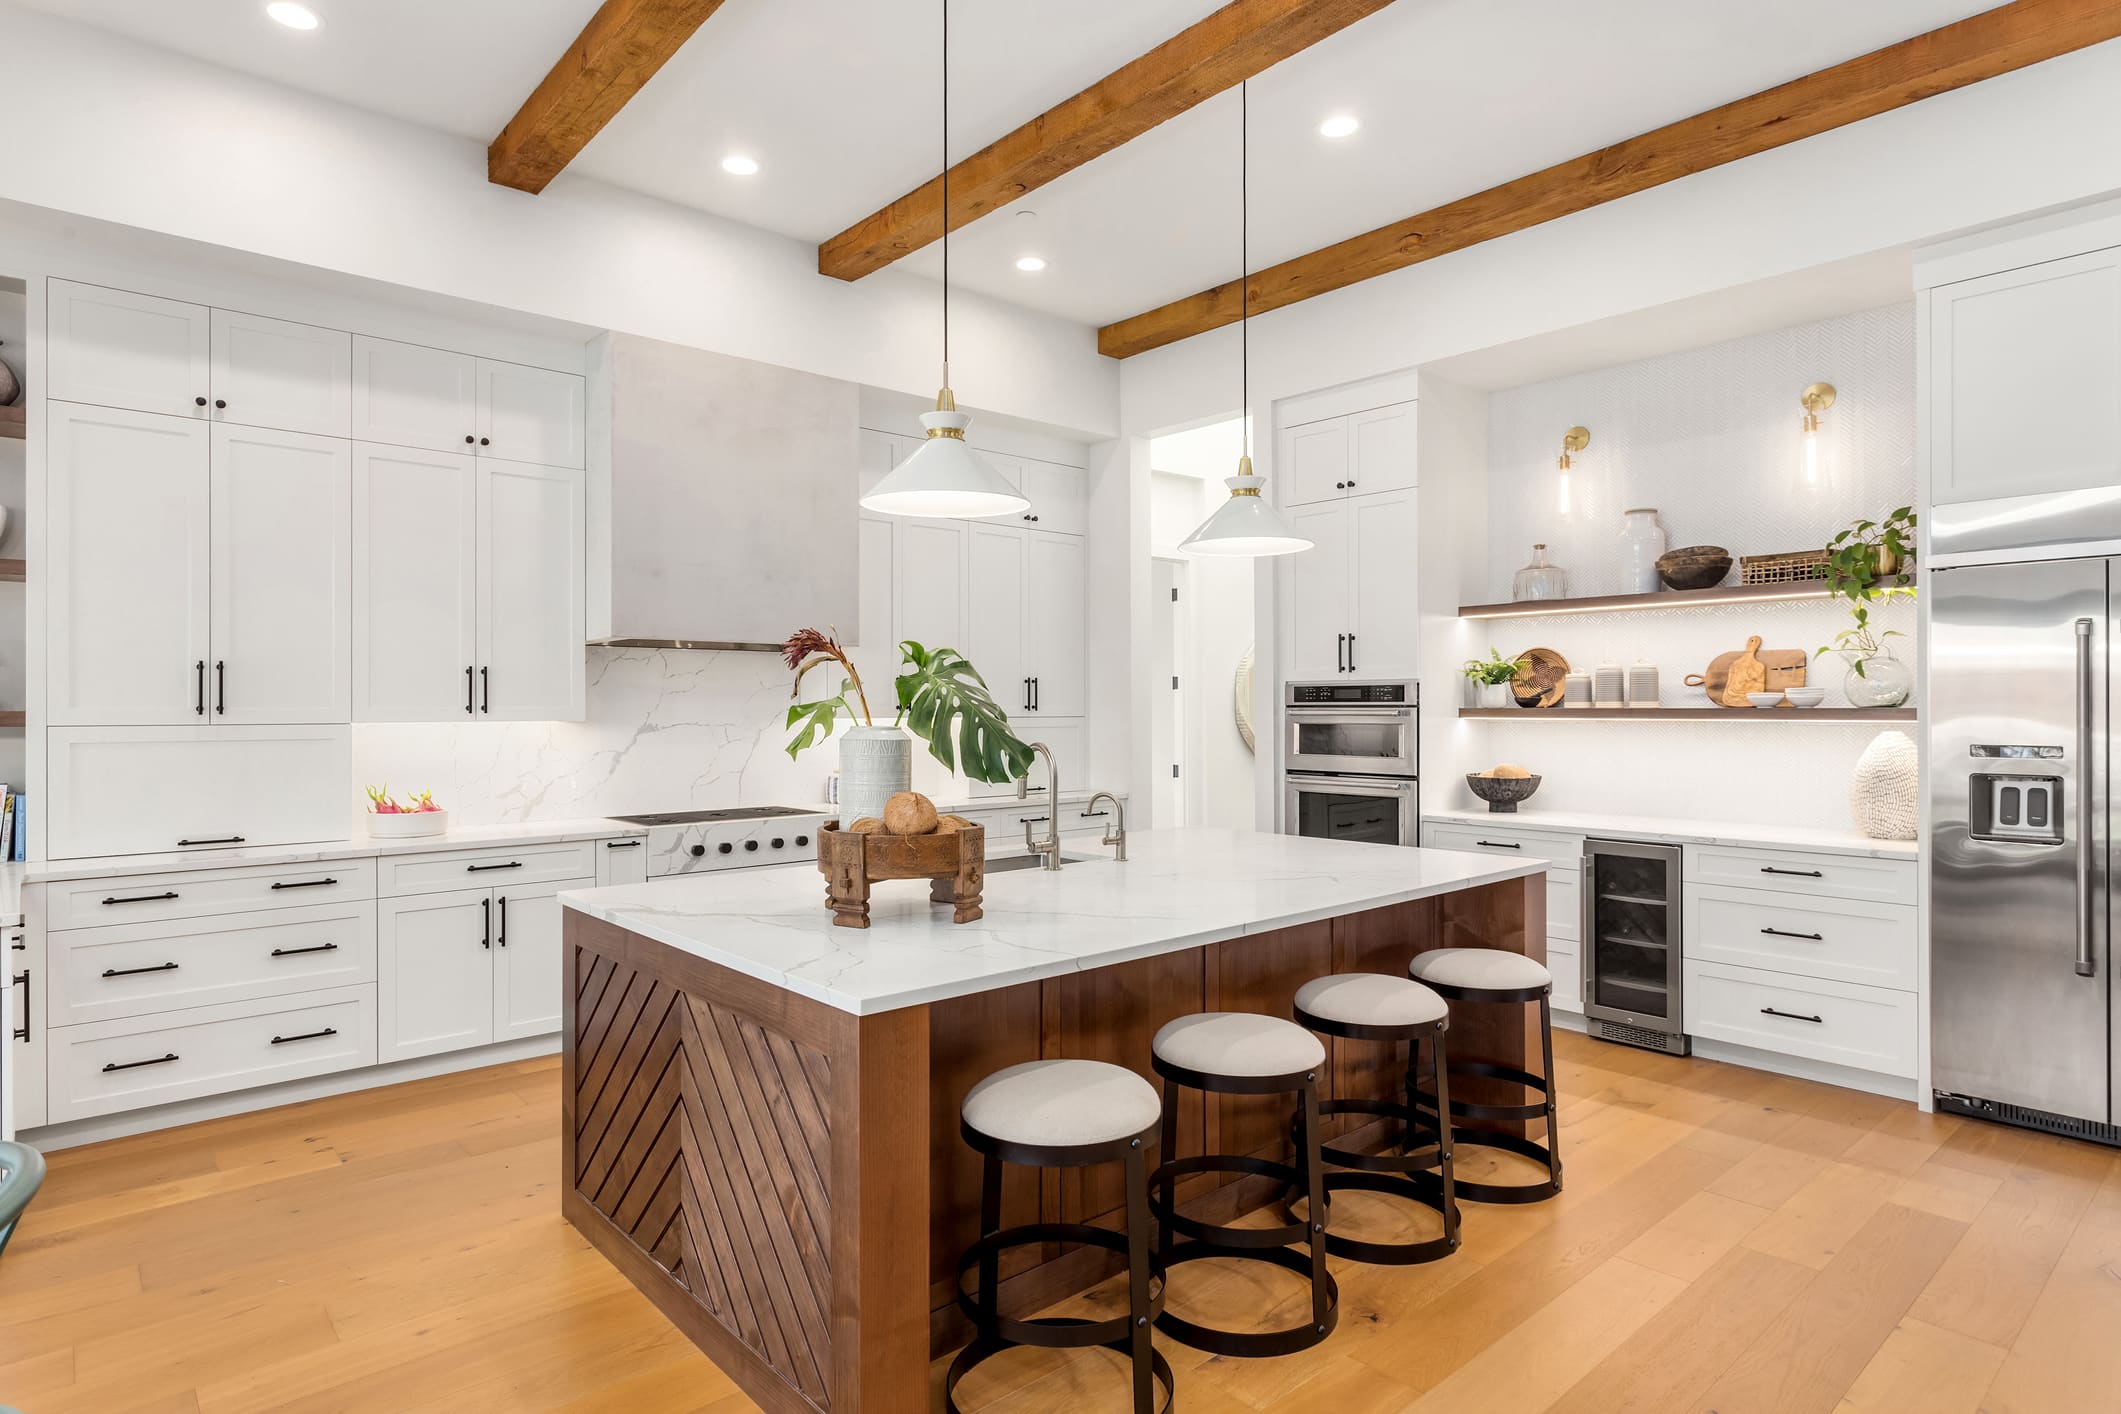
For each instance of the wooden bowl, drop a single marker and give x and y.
(1694, 566)
(1542, 677)
(1502, 793)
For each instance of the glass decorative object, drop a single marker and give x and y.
(1884, 682)
(1540, 580)
(1641, 544)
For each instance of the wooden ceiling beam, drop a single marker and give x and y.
(618, 51)
(1980, 47)
(1233, 44)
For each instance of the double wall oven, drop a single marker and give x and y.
(1352, 753)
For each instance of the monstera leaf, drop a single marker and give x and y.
(817, 719)
(945, 703)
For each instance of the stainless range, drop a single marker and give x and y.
(739, 837)
(1352, 757)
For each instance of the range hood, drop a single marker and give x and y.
(722, 499)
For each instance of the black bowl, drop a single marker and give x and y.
(1503, 792)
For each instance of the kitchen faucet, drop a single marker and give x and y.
(1049, 848)
(1117, 835)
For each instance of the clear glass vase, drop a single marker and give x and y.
(1877, 680)
(1540, 580)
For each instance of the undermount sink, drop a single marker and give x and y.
(1010, 863)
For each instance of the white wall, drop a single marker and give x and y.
(115, 130)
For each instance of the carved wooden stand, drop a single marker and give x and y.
(955, 864)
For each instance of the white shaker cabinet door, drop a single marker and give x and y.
(533, 611)
(1319, 580)
(122, 350)
(931, 585)
(1381, 450)
(994, 615)
(1385, 622)
(282, 578)
(152, 790)
(1060, 497)
(1313, 463)
(531, 414)
(22, 1105)
(415, 585)
(412, 396)
(877, 541)
(434, 966)
(270, 373)
(127, 587)
(526, 959)
(1053, 630)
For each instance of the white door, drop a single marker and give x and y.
(526, 959)
(124, 350)
(1381, 450)
(270, 373)
(415, 585)
(151, 790)
(23, 1104)
(434, 969)
(1386, 621)
(413, 396)
(1314, 461)
(1167, 720)
(281, 550)
(1059, 495)
(1053, 622)
(530, 414)
(2025, 381)
(994, 615)
(1319, 579)
(127, 581)
(533, 609)
(931, 585)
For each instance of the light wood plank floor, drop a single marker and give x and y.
(1729, 1241)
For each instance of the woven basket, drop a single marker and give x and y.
(1794, 567)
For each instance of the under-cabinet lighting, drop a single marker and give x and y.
(292, 15)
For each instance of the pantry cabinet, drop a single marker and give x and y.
(1353, 609)
(532, 614)
(408, 395)
(1025, 618)
(1357, 454)
(531, 414)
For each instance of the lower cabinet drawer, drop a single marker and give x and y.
(1796, 871)
(137, 969)
(1849, 940)
(1506, 840)
(1567, 966)
(108, 1066)
(402, 874)
(1864, 1028)
(196, 893)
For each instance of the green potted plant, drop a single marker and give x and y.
(1869, 562)
(941, 699)
(1491, 677)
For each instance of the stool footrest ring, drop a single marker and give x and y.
(1249, 1239)
(1414, 1190)
(1532, 1149)
(1052, 1332)
(1250, 1345)
(982, 1350)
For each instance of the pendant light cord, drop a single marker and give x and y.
(946, 191)
(1244, 261)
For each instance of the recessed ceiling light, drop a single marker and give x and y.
(736, 164)
(292, 15)
(1030, 263)
(1339, 125)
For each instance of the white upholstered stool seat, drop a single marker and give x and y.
(1238, 1043)
(1480, 970)
(1371, 999)
(1062, 1102)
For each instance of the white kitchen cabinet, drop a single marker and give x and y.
(1352, 605)
(1059, 496)
(116, 349)
(26, 1041)
(280, 577)
(271, 373)
(532, 592)
(1069, 741)
(415, 592)
(1320, 581)
(434, 955)
(409, 395)
(126, 546)
(139, 790)
(1353, 455)
(531, 414)
(1313, 461)
(932, 605)
(2024, 381)
(526, 960)
(622, 862)
(994, 613)
(876, 543)
(1054, 630)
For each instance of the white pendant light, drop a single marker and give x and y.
(945, 477)
(1246, 524)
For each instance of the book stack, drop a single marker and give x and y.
(14, 824)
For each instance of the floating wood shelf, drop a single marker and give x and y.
(11, 424)
(13, 571)
(1688, 714)
(14, 719)
(1670, 599)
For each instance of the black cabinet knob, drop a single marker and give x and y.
(484, 442)
(200, 401)
(469, 439)
(750, 845)
(801, 841)
(779, 843)
(698, 850)
(1351, 483)
(220, 402)
(725, 848)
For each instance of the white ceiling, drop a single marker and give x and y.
(838, 100)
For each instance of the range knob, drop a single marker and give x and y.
(779, 843)
(751, 844)
(725, 848)
(698, 850)
(802, 841)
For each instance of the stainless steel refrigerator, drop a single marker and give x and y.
(2021, 760)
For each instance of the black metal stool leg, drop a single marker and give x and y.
(1140, 1346)
(1165, 1183)
(1323, 1308)
(1446, 1172)
(990, 1262)
(1546, 1037)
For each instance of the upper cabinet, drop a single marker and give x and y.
(270, 373)
(120, 350)
(532, 620)
(530, 414)
(1352, 595)
(1352, 455)
(409, 395)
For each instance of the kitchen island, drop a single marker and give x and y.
(761, 1109)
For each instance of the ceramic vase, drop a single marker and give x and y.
(876, 763)
(1882, 793)
(1642, 544)
(1884, 682)
(1496, 694)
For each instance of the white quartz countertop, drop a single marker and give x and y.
(1178, 889)
(1666, 830)
(360, 847)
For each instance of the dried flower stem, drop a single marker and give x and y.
(808, 644)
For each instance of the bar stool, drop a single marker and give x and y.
(1372, 1006)
(1241, 1053)
(1490, 975)
(1062, 1114)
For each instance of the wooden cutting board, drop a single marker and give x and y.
(1785, 669)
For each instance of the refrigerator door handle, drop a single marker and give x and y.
(2086, 820)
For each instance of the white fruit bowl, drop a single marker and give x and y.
(408, 826)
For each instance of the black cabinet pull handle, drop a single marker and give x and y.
(1793, 873)
(486, 928)
(200, 704)
(483, 868)
(1351, 639)
(1497, 844)
(1034, 694)
(1027, 694)
(305, 884)
(470, 693)
(297, 952)
(1808, 937)
(1340, 652)
(225, 839)
(220, 687)
(21, 979)
(485, 692)
(135, 1065)
(623, 844)
(501, 937)
(306, 1036)
(139, 898)
(1792, 1016)
(1096, 814)
(136, 971)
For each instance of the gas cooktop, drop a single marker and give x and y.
(715, 817)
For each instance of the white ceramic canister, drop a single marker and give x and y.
(1576, 691)
(1641, 544)
(1642, 684)
(876, 763)
(1608, 686)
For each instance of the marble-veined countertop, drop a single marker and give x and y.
(1661, 829)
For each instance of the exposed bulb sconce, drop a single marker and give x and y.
(1811, 466)
(1573, 440)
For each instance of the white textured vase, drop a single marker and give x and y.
(1882, 793)
(876, 763)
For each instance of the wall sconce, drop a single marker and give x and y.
(1812, 470)
(1573, 440)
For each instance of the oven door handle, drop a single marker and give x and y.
(1350, 716)
(1354, 785)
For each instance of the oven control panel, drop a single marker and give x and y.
(1352, 694)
